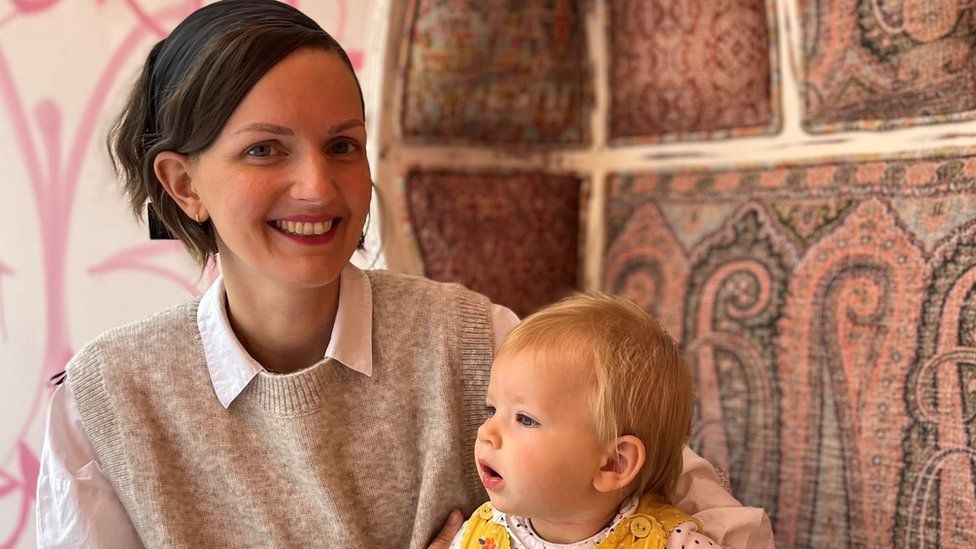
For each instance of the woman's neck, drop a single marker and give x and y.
(284, 329)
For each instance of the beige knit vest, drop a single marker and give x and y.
(324, 457)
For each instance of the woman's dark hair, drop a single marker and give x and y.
(191, 83)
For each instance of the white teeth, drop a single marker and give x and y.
(304, 229)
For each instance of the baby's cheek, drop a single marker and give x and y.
(535, 465)
(561, 469)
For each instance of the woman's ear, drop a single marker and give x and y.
(621, 463)
(173, 171)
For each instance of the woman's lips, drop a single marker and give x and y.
(489, 477)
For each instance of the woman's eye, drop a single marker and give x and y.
(260, 151)
(343, 147)
(525, 421)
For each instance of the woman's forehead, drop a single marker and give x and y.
(308, 85)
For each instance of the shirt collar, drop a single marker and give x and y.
(232, 368)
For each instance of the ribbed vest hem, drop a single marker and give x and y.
(476, 356)
(98, 416)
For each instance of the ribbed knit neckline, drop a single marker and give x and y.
(294, 394)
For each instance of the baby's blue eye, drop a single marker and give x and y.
(525, 421)
(491, 410)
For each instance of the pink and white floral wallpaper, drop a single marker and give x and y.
(73, 261)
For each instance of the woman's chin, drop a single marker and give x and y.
(307, 281)
(306, 272)
(290, 275)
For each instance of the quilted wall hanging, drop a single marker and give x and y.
(496, 72)
(510, 236)
(820, 285)
(692, 70)
(876, 64)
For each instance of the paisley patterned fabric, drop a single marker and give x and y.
(511, 236)
(829, 314)
(874, 64)
(681, 70)
(496, 72)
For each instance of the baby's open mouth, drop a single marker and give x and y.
(488, 471)
(490, 478)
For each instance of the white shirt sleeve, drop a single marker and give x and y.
(77, 506)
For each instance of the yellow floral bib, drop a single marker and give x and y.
(648, 527)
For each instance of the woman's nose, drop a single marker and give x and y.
(314, 181)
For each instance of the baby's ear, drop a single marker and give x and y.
(621, 463)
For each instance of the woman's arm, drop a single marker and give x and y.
(723, 518)
(77, 506)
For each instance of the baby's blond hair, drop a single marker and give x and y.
(642, 384)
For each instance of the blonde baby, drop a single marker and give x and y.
(591, 404)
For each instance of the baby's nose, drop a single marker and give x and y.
(488, 435)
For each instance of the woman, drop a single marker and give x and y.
(300, 401)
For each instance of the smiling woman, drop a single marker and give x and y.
(276, 175)
(238, 419)
(279, 164)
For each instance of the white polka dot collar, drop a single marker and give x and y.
(520, 529)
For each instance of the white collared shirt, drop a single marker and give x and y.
(232, 368)
(77, 506)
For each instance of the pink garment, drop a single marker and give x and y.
(722, 517)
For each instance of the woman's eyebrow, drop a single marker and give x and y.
(343, 126)
(282, 130)
(265, 127)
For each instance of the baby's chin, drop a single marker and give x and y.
(513, 508)
(500, 503)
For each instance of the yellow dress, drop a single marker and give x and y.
(648, 527)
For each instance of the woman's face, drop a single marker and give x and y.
(286, 183)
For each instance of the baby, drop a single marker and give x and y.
(591, 404)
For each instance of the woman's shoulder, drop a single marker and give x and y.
(175, 325)
(412, 286)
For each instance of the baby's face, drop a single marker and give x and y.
(538, 453)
